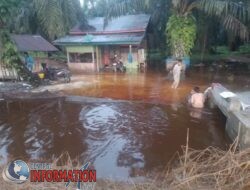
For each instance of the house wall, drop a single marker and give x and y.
(104, 55)
(80, 67)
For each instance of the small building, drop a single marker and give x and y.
(36, 46)
(93, 47)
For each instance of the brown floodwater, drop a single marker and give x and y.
(155, 87)
(148, 87)
(122, 139)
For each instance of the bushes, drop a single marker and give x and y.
(11, 59)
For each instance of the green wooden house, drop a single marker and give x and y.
(94, 47)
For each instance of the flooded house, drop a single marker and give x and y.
(92, 48)
(38, 47)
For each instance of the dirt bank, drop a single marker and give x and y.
(10, 90)
(21, 90)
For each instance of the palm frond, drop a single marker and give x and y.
(21, 20)
(56, 17)
(224, 7)
(6, 8)
(234, 15)
(123, 7)
(68, 8)
(237, 27)
(118, 7)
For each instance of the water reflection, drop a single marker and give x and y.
(121, 139)
(41, 130)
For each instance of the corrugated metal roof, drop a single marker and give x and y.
(119, 39)
(122, 23)
(32, 43)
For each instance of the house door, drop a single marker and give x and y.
(105, 55)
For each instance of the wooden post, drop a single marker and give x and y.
(67, 56)
(93, 55)
(97, 59)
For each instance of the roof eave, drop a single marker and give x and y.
(96, 43)
(107, 32)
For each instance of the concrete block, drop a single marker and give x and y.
(232, 125)
(234, 104)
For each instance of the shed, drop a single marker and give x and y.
(35, 45)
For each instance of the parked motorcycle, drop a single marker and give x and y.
(119, 66)
(54, 74)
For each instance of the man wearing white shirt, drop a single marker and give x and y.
(177, 74)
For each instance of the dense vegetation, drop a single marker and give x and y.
(178, 27)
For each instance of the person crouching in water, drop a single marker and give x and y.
(197, 98)
(177, 74)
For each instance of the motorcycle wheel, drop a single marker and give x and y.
(67, 79)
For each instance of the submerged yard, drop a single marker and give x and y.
(133, 122)
(137, 131)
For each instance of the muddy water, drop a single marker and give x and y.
(154, 87)
(148, 87)
(121, 139)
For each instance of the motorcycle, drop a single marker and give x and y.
(54, 74)
(119, 66)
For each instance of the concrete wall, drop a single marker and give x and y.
(238, 124)
(238, 120)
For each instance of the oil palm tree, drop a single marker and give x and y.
(6, 7)
(52, 18)
(181, 26)
(56, 17)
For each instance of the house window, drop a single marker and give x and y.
(80, 58)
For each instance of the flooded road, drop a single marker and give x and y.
(149, 87)
(121, 138)
(154, 87)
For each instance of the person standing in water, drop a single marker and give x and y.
(197, 98)
(29, 61)
(177, 74)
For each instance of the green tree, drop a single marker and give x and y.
(6, 8)
(51, 18)
(181, 40)
(181, 32)
(56, 17)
